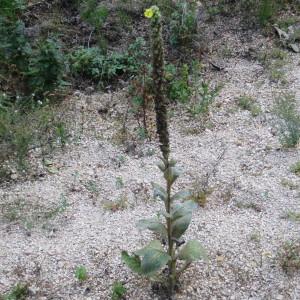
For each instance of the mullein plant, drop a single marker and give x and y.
(170, 251)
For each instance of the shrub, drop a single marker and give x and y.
(27, 68)
(93, 64)
(46, 68)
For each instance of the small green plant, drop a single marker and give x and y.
(293, 216)
(30, 215)
(140, 91)
(277, 74)
(60, 208)
(255, 237)
(118, 291)
(249, 205)
(285, 110)
(125, 19)
(119, 182)
(92, 187)
(22, 130)
(171, 224)
(265, 11)
(247, 103)
(179, 88)
(289, 184)
(289, 256)
(29, 70)
(202, 99)
(81, 273)
(61, 133)
(19, 292)
(286, 21)
(142, 133)
(274, 61)
(13, 211)
(295, 168)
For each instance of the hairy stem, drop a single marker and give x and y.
(171, 250)
(159, 85)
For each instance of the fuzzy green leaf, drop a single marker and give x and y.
(181, 224)
(185, 207)
(193, 251)
(155, 244)
(182, 195)
(181, 218)
(133, 262)
(159, 192)
(171, 174)
(161, 166)
(165, 214)
(154, 258)
(153, 261)
(153, 225)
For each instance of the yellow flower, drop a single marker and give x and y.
(149, 13)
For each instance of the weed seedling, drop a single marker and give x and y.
(81, 273)
(118, 291)
(247, 103)
(19, 292)
(119, 182)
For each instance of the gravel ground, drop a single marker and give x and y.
(50, 226)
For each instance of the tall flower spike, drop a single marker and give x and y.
(158, 71)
